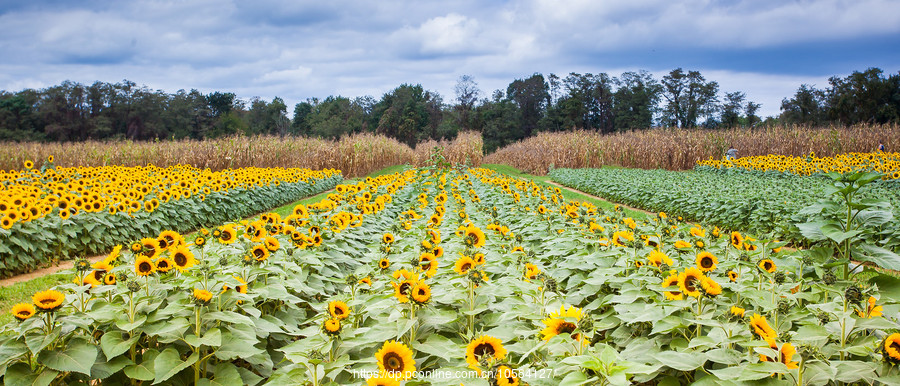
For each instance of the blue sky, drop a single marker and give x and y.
(298, 49)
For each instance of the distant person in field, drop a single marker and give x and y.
(731, 153)
(880, 147)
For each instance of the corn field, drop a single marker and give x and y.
(355, 155)
(681, 149)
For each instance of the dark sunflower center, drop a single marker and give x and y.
(338, 311)
(690, 283)
(163, 264)
(144, 267)
(565, 328)
(422, 292)
(482, 350)
(767, 266)
(895, 345)
(24, 313)
(258, 252)
(404, 288)
(393, 362)
(465, 267)
(47, 301)
(98, 274)
(180, 259)
(226, 236)
(706, 262)
(384, 264)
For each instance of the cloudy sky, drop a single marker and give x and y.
(297, 49)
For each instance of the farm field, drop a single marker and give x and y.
(429, 275)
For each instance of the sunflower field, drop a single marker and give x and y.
(54, 213)
(769, 202)
(886, 163)
(456, 276)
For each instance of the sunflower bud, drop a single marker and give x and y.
(586, 324)
(223, 261)
(519, 238)
(351, 279)
(784, 307)
(829, 278)
(133, 285)
(551, 285)
(823, 317)
(248, 260)
(122, 276)
(745, 256)
(853, 294)
(780, 278)
(807, 260)
(82, 265)
(663, 267)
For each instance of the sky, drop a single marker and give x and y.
(299, 49)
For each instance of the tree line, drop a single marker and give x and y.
(600, 102)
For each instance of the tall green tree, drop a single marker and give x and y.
(531, 95)
(688, 98)
(635, 101)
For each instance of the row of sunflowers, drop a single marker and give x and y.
(53, 213)
(886, 163)
(445, 277)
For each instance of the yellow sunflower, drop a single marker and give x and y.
(732, 275)
(428, 263)
(710, 287)
(871, 309)
(183, 258)
(260, 252)
(891, 348)
(655, 258)
(474, 237)
(556, 324)
(761, 327)
(143, 266)
(484, 348)
(395, 360)
(505, 376)
(463, 265)
(672, 281)
(690, 280)
(681, 244)
(384, 263)
(49, 300)
(331, 326)
(382, 381)
(706, 261)
(420, 293)
(163, 265)
(737, 240)
(22, 311)
(202, 296)
(227, 234)
(338, 309)
(109, 279)
(737, 311)
(387, 238)
(767, 265)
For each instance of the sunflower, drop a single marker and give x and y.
(338, 309)
(272, 243)
(428, 263)
(143, 266)
(463, 264)
(787, 352)
(331, 327)
(202, 297)
(402, 290)
(732, 275)
(690, 280)
(382, 381)
(49, 300)
(737, 240)
(557, 325)
(475, 237)
(672, 281)
(136, 247)
(620, 237)
(737, 311)
(22, 311)
(420, 293)
(227, 235)
(387, 238)
(505, 376)
(761, 327)
(767, 265)
(485, 348)
(260, 252)
(109, 279)
(183, 258)
(531, 271)
(395, 360)
(200, 241)
(655, 258)
(681, 244)
(163, 265)
(891, 348)
(710, 287)
(438, 251)
(384, 263)
(871, 309)
(706, 261)
(478, 258)
(150, 247)
(29, 164)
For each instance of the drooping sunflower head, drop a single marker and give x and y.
(272, 243)
(505, 376)
(484, 349)
(144, 266)
(706, 261)
(786, 353)
(767, 265)
(737, 311)
(710, 287)
(150, 247)
(395, 360)
(49, 300)
(761, 327)
(260, 252)
(201, 296)
(655, 258)
(681, 244)
(22, 311)
(690, 281)
(109, 279)
(338, 309)
(562, 321)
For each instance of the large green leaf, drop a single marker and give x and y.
(78, 356)
(169, 362)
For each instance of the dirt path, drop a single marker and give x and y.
(599, 198)
(66, 264)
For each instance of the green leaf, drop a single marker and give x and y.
(880, 256)
(37, 342)
(78, 356)
(103, 368)
(439, 346)
(144, 370)
(20, 374)
(224, 374)
(169, 362)
(836, 234)
(813, 230)
(681, 361)
(113, 344)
